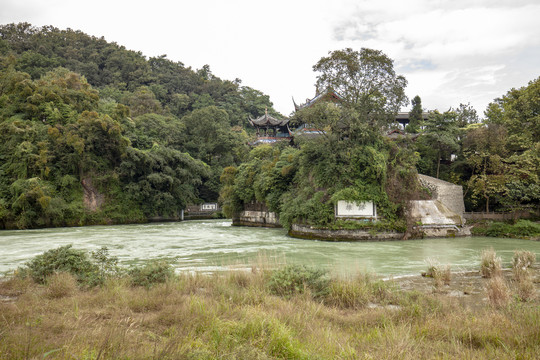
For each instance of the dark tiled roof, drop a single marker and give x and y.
(309, 102)
(267, 120)
(405, 116)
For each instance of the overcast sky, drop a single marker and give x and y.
(450, 51)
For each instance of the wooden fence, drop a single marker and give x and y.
(524, 214)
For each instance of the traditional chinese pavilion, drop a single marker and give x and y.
(328, 95)
(270, 130)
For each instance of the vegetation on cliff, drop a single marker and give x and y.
(350, 160)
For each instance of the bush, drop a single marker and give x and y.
(153, 272)
(522, 229)
(296, 279)
(499, 229)
(526, 228)
(63, 259)
(491, 265)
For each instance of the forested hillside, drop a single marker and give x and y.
(91, 132)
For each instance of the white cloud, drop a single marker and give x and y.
(450, 51)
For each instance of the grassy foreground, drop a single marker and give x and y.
(258, 315)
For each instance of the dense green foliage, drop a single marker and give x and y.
(351, 160)
(495, 159)
(91, 269)
(93, 133)
(153, 272)
(88, 270)
(297, 279)
(521, 229)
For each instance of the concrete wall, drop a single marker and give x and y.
(443, 231)
(306, 232)
(257, 218)
(433, 212)
(451, 195)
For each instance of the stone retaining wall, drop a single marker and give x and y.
(307, 232)
(442, 231)
(451, 195)
(257, 218)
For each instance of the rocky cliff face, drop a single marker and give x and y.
(92, 198)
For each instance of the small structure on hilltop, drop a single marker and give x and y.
(270, 130)
(328, 95)
(308, 130)
(403, 118)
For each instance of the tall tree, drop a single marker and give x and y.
(441, 134)
(484, 151)
(415, 115)
(465, 115)
(366, 81)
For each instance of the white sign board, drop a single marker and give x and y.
(208, 206)
(355, 209)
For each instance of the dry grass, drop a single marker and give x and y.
(498, 291)
(522, 262)
(60, 285)
(491, 264)
(234, 316)
(441, 274)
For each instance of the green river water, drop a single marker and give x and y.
(214, 245)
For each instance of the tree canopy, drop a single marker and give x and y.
(366, 81)
(94, 133)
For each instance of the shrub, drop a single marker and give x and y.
(523, 228)
(526, 228)
(490, 265)
(296, 279)
(499, 229)
(63, 259)
(88, 271)
(108, 265)
(153, 272)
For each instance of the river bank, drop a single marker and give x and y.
(254, 314)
